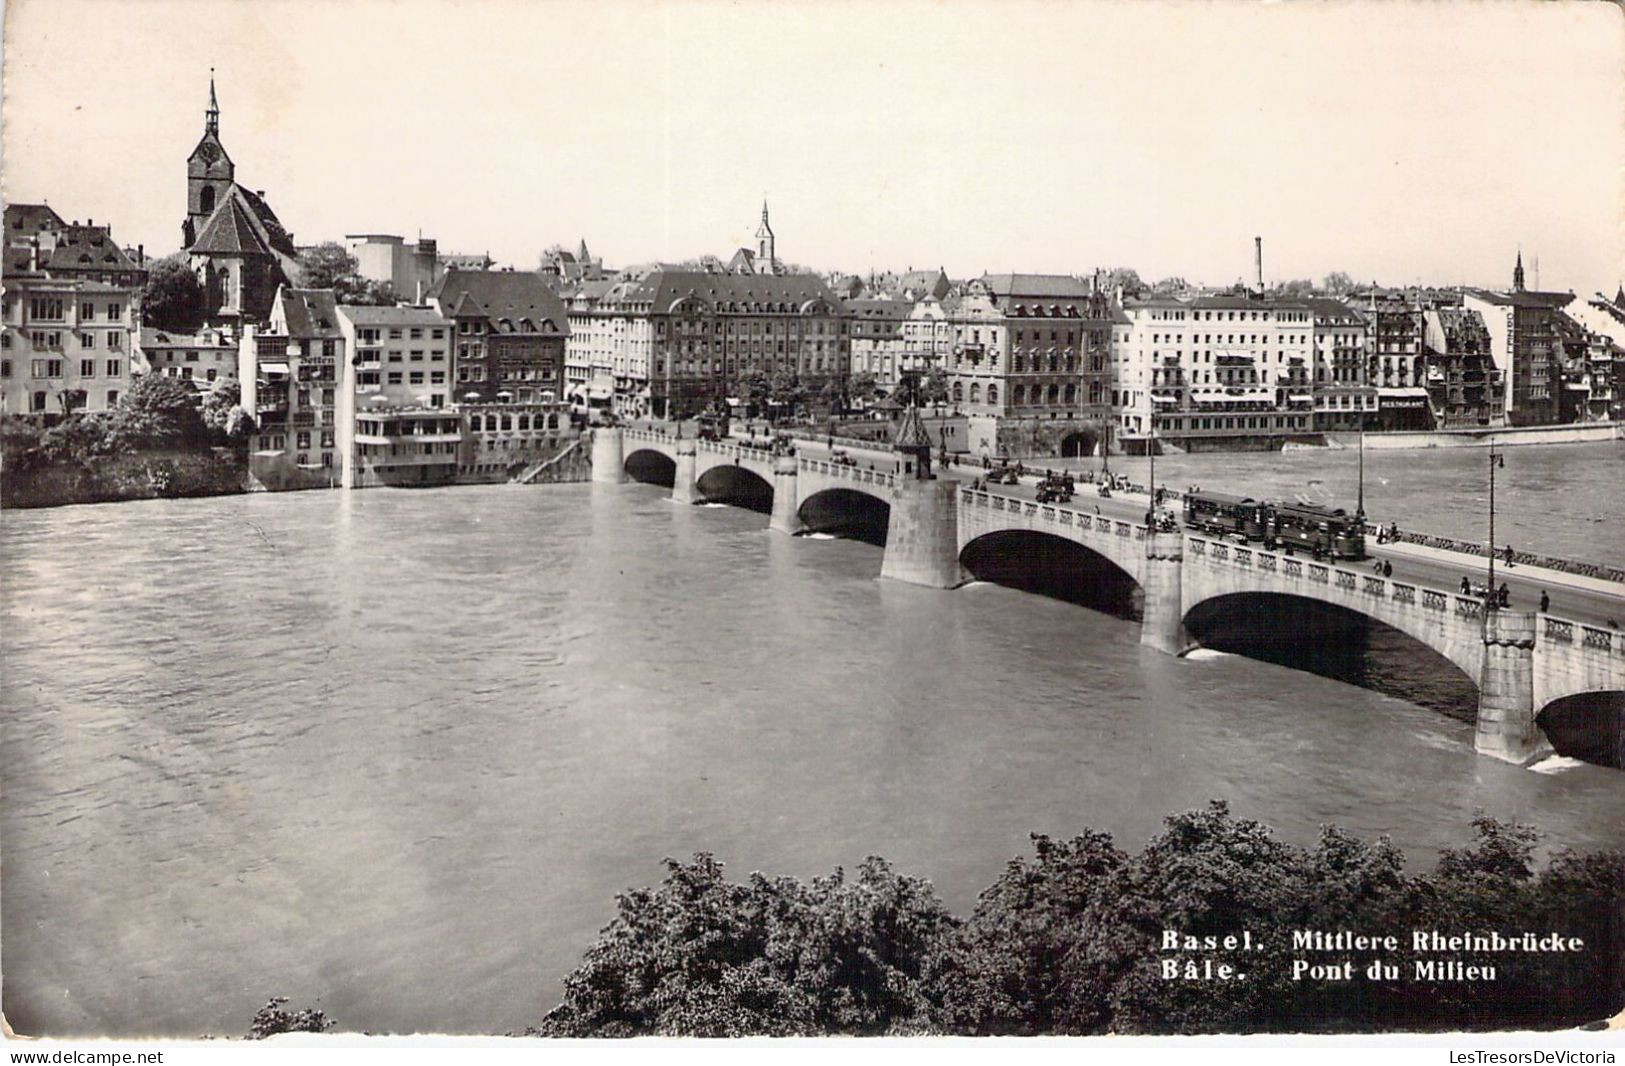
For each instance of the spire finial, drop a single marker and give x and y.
(211, 117)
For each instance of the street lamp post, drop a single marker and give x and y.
(1151, 450)
(1497, 459)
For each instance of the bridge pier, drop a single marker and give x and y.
(1163, 624)
(786, 503)
(685, 483)
(1506, 726)
(609, 455)
(922, 534)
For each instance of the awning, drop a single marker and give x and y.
(600, 392)
(274, 368)
(1300, 397)
(1409, 390)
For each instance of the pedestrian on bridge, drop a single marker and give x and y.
(1466, 587)
(1509, 557)
(1545, 602)
(1505, 595)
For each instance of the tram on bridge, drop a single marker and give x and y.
(1313, 528)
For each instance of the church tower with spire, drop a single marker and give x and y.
(1517, 274)
(210, 172)
(767, 260)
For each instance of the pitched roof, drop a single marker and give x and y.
(309, 312)
(28, 220)
(499, 294)
(1525, 298)
(663, 288)
(1327, 309)
(87, 248)
(372, 315)
(244, 224)
(893, 310)
(1046, 285)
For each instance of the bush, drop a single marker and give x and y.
(1070, 942)
(273, 1018)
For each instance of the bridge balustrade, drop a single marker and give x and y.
(1266, 562)
(1559, 630)
(1591, 637)
(1319, 574)
(1244, 558)
(1345, 580)
(1197, 545)
(1434, 601)
(1468, 607)
(1404, 593)
(1373, 586)
(1123, 529)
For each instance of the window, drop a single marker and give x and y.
(5, 368)
(115, 312)
(212, 374)
(87, 312)
(327, 349)
(46, 307)
(395, 333)
(304, 440)
(394, 377)
(87, 368)
(112, 397)
(114, 368)
(115, 339)
(327, 438)
(416, 334)
(36, 402)
(417, 377)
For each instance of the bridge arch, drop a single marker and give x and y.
(1051, 565)
(736, 485)
(1587, 725)
(651, 466)
(846, 512)
(1336, 641)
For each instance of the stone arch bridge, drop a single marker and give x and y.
(1521, 661)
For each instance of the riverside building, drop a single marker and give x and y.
(71, 313)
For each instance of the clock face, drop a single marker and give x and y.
(208, 152)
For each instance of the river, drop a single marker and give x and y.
(393, 753)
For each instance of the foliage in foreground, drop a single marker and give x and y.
(275, 1018)
(1068, 942)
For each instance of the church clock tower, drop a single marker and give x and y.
(767, 260)
(210, 172)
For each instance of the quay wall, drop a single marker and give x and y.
(1586, 433)
(142, 475)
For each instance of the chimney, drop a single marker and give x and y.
(33, 254)
(1258, 260)
(140, 255)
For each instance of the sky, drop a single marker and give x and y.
(1400, 141)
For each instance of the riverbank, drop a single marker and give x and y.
(1588, 433)
(140, 475)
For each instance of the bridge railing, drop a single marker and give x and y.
(1334, 576)
(1567, 631)
(847, 472)
(1050, 514)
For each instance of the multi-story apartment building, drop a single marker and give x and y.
(1523, 339)
(589, 379)
(72, 314)
(1585, 365)
(290, 373)
(511, 329)
(1462, 382)
(67, 345)
(880, 344)
(1031, 362)
(682, 341)
(1343, 398)
(1396, 359)
(1208, 370)
(928, 332)
(397, 421)
(201, 358)
(499, 439)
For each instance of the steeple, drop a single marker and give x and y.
(1517, 273)
(1619, 297)
(211, 117)
(765, 251)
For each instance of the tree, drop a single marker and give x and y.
(863, 386)
(934, 386)
(1170, 286)
(1338, 283)
(157, 411)
(172, 298)
(1126, 278)
(325, 265)
(702, 956)
(274, 1018)
(223, 412)
(1297, 287)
